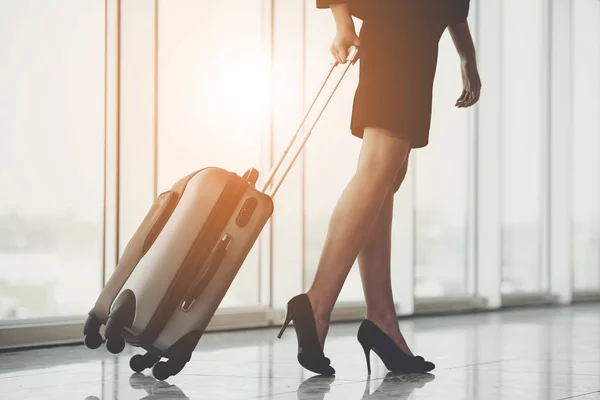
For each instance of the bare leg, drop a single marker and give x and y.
(382, 156)
(374, 261)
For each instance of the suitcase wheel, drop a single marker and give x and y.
(91, 331)
(115, 344)
(163, 370)
(92, 340)
(114, 341)
(139, 362)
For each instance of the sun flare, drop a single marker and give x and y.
(240, 85)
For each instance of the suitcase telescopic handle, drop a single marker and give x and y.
(351, 60)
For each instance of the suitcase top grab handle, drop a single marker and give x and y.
(352, 58)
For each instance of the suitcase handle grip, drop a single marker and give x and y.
(352, 58)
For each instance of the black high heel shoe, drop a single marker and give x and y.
(310, 354)
(371, 337)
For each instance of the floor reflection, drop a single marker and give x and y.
(397, 386)
(154, 388)
(315, 388)
(393, 386)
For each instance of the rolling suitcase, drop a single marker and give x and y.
(183, 258)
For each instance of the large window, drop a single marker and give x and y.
(212, 96)
(51, 156)
(586, 144)
(442, 191)
(523, 105)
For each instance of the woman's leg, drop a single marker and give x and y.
(374, 261)
(382, 156)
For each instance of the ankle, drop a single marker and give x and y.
(383, 320)
(320, 310)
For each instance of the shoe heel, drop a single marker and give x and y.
(288, 318)
(367, 351)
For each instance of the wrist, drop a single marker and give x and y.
(344, 30)
(343, 18)
(468, 59)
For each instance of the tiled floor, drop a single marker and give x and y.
(546, 353)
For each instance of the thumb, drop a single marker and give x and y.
(343, 52)
(356, 44)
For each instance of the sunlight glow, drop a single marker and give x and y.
(239, 85)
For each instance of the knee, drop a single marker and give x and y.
(381, 173)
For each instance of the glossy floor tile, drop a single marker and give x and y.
(533, 354)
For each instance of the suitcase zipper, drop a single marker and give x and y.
(201, 283)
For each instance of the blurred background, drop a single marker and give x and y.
(105, 103)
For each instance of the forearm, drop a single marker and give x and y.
(342, 16)
(461, 36)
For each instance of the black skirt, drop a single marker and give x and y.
(398, 58)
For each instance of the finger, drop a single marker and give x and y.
(343, 54)
(334, 54)
(468, 100)
(472, 99)
(462, 98)
(337, 55)
(476, 99)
